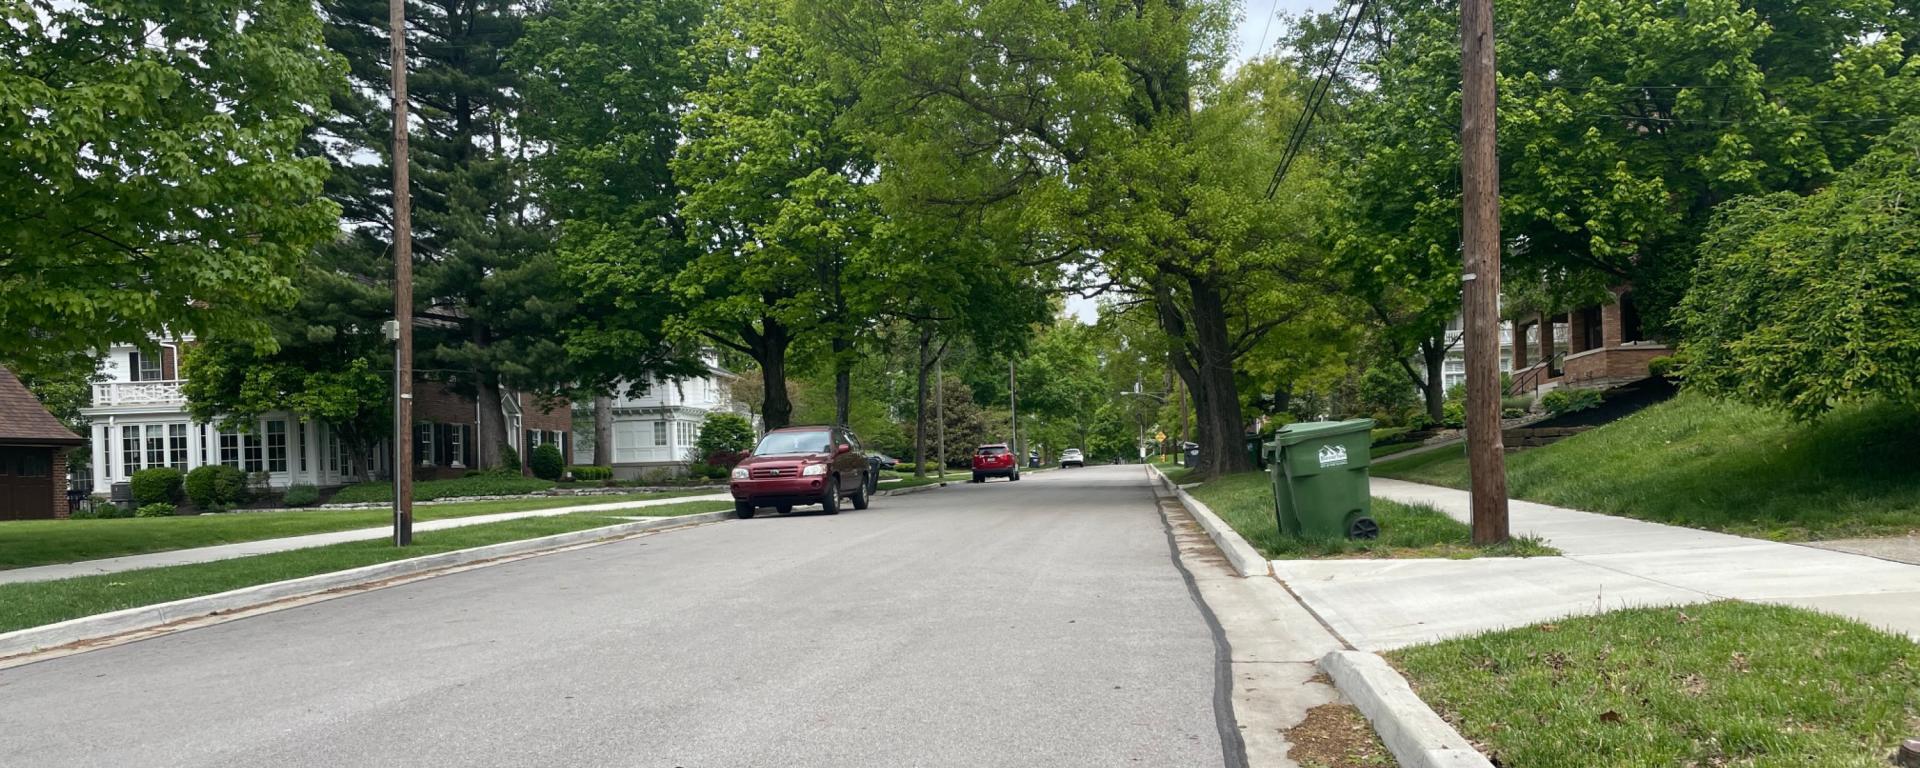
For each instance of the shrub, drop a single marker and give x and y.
(591, 473)
(728, 433)
(1454, 414)
(258, 484)
(715, 472)
(1512, 413)
(83, 512)
(1664, 366)
(509, 459)
(159, 485)
(112, 512)
(1519, 403)
(1562, 401)
(547, 463)
(302, 495)
(216, 486)
(156, 509)
(483, 484)
(699, 469)
(725, 459)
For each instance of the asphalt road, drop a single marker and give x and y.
(1038, 623)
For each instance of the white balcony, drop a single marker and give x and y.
(114, 393)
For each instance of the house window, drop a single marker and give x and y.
(230, 449)
(423, 444)
(276, 446)
(330, 448)
(130, 449)
(144, 367)
(177, 446)
(457, 444)
(251, 441)
(156, 445)
(659, 433)
(1591, 337)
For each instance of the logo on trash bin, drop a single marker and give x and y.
(1333, 456)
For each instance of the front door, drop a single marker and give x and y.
(26, 483)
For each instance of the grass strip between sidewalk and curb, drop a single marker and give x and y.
(1245, 501)
(28, 543)
(1727, 683)
(34, 604)
(1724, 466)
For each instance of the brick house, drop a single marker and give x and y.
(1604, 346)
(445, 426)
(33, 455)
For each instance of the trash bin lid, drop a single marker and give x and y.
(1299, 432)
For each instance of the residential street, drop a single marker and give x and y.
(1042, 622)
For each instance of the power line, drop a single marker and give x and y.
(1336, 54)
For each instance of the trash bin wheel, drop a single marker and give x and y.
(1363, 528)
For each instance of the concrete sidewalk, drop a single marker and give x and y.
(1608, 563)
(265, 546)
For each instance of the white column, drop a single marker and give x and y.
(102, 453)
(193, 445)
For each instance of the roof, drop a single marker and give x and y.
(24, 421)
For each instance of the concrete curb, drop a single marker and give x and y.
(88, 629)
(910, 489)
(1416, 736)
(1247, 561)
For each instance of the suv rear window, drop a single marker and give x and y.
(992, 450)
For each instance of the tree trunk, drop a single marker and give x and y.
(775, 408)
(1433, 353)
(920, 405)
(493, 423)
(1203, 357)
(842, 382)
(603, 431)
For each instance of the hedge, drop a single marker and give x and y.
(590, 473)
(484, 484)
(158, 485)
(216, 487)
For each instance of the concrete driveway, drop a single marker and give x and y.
(1038, 623)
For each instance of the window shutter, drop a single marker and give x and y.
(133, 366)
(466, 444)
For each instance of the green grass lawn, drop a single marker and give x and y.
(28, 543)
(1722, 684)
(1704, 463)
(1245, 501)
(36, 603)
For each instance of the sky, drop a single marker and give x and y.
(1252, 25)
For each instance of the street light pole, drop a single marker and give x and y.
(402, 286)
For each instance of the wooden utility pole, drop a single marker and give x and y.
(1013, 415)
(1480, 253)
(402, 287)
(940, 412)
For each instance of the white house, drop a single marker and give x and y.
(139, 420)
(654, 430)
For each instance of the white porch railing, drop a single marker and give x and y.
(138, 393)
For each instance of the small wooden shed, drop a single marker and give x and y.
(33, 455)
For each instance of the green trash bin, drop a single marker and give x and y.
(1319, 472)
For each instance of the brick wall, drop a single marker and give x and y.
(1613, 364)
(59, 483)
(557, 418)
(433, 402)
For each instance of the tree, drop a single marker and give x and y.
(1804, 303)
(1622, 125)
(1101, 132)
(1061, 380)
(603, 82)
(723, 433)
(490, 299)
(776, 201)
(156, 182)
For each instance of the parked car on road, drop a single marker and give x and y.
(796, 466)
(995, 460)
(1072, 457)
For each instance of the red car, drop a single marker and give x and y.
(995, 460)
(803, 465)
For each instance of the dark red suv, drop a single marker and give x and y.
(995, 460)
(803, 465)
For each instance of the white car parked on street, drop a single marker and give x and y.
(1072, 457)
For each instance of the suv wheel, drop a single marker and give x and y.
(831, 504)
(864, 497)
(743, 509)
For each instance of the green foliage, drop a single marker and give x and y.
(483, 484)
(723, 432)
(1803, 303)
(546, 462)
(1516, 402)
(155, 178)
(216, 487)
(1565, 400)
(1664, 367)
(1453, 414)
(301, 495)
(509, 461)
(590, 473)
(1622, 123)
(156, 485)
(155, 509)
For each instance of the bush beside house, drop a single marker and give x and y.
(547, 463)
(159, 485)
(216, 487)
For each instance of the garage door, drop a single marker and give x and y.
(26, 483)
